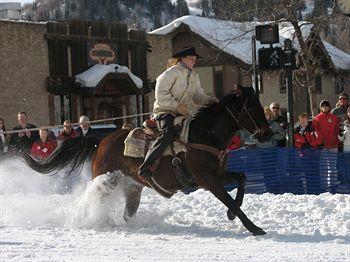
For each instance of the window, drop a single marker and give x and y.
(219, 83)
(283, 82)
(339, 85)
(318, 84)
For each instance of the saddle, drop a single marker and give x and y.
(138, 142)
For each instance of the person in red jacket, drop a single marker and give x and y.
(43, 147)
(304, 134)
(327, 127)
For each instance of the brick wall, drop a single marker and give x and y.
(24, 66)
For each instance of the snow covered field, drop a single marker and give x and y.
(42, 219)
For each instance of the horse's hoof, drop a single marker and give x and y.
(259, 232)
(230, 215)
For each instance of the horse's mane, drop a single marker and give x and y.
(207, 114)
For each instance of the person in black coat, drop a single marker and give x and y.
(22, 141)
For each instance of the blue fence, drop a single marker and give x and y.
(290, 170)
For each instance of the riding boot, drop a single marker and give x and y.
(147, 169)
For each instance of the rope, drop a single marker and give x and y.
(73, 124)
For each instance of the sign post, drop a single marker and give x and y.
(289, 52)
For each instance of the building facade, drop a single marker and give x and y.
(226, 51)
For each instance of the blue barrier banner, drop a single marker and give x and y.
(290, 170)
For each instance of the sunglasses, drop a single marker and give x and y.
(343, 98)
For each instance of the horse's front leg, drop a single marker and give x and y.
(242, 182)
(241, 179)
(218, 190)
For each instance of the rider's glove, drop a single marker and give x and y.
(182, 109)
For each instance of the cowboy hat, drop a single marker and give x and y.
(186, 51)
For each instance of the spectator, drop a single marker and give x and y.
(43, 147)
(84, 128)
(3, 138)
(327, 126)
(22, 141)
(304, 134)
(276, 117)
(277, 129)
(346, 118)
(345, 136)
(68, 132)
(341, 107)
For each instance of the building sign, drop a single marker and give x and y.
(101, 53)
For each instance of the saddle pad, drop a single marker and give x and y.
(136, 144)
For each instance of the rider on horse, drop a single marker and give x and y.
(177, 90)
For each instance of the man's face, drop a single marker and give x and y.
(84, 125)
(325, 108)
(67, 129)
(22, 119)
(343, 101)
(189, 61)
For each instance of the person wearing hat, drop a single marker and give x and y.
(178, 92)
(68, 132)
(327, 126)
(341, 107)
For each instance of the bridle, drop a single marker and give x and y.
(244, 111)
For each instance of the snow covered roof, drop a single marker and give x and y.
(92, 76)
(234, 38)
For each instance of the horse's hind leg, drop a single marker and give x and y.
(132, 194)
(218, 190)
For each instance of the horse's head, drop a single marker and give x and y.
(245, 109)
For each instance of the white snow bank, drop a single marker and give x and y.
(87, 225)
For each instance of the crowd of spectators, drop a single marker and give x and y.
(329, 130)
(40, 142)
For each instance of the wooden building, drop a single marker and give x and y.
(76, 45)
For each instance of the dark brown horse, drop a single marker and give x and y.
(213, 126)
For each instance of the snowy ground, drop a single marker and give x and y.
(41, 219)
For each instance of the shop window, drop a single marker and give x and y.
(283, 82)
(318, 84)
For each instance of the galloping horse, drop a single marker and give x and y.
(213, 126)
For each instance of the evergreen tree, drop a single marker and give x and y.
(181, 8)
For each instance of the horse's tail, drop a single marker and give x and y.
(72, 152)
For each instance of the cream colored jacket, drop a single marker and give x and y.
(178, 85)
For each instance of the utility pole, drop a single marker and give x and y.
(255, 67)
(288, 50)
